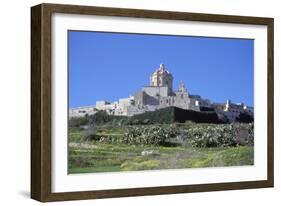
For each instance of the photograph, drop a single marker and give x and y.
(156, 102)
(134, 102)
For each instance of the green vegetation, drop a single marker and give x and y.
(162, 116)
(167, 115)
(110, 158)
(175, 114)
(105, 147)
(245, 118)
(196, 135)
(148, 135)
(222, 135)
(78, 121)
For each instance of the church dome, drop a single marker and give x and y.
(162, 69)
(162, 77)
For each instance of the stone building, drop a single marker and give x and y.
(232, 111)
(160, 94)
(82, 111)
(162, 78)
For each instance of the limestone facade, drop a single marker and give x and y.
(160, 94)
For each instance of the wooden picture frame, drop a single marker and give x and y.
(41, 98)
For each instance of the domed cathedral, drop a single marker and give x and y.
(160, 94)
(162, 78)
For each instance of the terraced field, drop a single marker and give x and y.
(91, 153)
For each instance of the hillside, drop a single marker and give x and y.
(161, 116)
(175, 114)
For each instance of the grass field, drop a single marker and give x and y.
(95, 156)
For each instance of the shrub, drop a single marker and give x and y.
(146, 121)
(148, 135)
(90, 134)
(244, 118)
(174, 114)
(165, 115)
(250, 141)
(102, 118)
(78, 121)
(218, 135)
(182, 115)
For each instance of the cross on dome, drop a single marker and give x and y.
(162, 66)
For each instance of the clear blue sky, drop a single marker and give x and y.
(109, 66)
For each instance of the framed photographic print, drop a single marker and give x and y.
(130, 102)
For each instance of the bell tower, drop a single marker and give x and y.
(182, 87)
